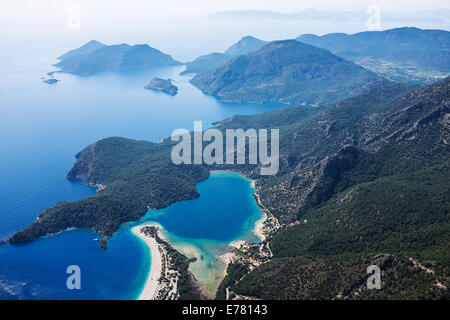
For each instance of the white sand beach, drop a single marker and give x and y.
(152, 282)
(207, 277)
(258, 230)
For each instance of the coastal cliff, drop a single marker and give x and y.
(133, 177)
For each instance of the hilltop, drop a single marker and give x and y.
(95, 57)
(246, 45)
(210, 61)
(288, 72)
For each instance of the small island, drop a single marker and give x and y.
(51, 81)
(163, 85)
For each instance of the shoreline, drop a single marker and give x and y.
(259, 225)
(151, 284)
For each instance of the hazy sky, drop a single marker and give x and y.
(31, 14)
(167, 7)
(175, 25)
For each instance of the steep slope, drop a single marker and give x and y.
(289, 72)
(382, 198)
(84, 49)
(121, 57)
(206, 63)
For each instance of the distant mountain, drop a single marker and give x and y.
(210, 61)
(206, 63)
(308, 14)
(428, 49)
(428, 16)
(95, 57)
(289, 72)
(248, 14)
(84, 49)
(443, 14)
(245, 45)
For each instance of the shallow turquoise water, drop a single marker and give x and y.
(204, 227)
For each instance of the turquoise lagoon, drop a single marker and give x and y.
(205, 226)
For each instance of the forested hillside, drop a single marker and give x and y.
(383, 196)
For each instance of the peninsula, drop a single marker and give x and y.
(169, 277)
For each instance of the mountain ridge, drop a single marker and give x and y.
(246, 45)
(208, 62)
(95, 57)
(407, 46)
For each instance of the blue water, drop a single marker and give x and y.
(42, 127)
(38, 270)
(205, 226)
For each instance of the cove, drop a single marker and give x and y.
(205, 226)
